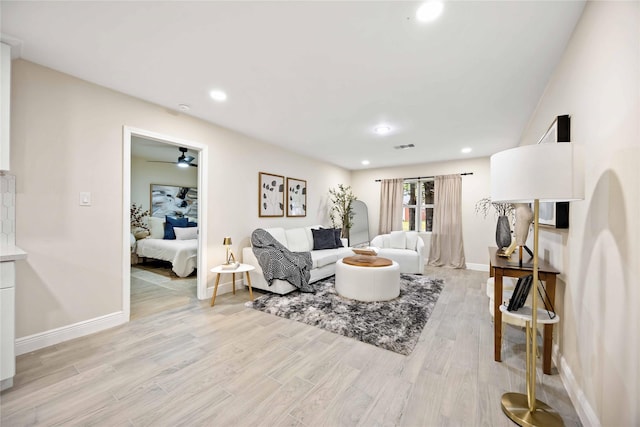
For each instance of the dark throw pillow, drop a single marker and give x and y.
(337, 233)
(323, 238)
(169, 223)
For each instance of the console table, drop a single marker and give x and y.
(500, 267)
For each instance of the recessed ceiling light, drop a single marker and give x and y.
(183, 107)
(382, 129)
(365, 162)
(466, 150)
(429, 11)
(218, 95)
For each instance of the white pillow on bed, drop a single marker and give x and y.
(156, 227)
(186, 233)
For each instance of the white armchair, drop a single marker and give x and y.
(404, 247)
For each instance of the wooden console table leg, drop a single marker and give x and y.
(215, 290)
(497, 315)
(547, 345)
(233, 277)
(249, 283)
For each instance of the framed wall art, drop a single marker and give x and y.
(556, 214)
(296, 197)
(270, 195)
(173, 200)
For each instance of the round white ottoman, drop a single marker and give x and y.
(368, 283)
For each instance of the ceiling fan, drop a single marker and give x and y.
(184, 160)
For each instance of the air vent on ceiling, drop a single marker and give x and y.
(404, 146)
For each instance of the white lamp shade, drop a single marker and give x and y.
(547, 172)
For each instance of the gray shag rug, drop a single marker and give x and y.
(393, 325)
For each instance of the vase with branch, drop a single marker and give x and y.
(341, 211)
(139, 227)
(504, 212)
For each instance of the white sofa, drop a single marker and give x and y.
(404, 247)
(296, 240)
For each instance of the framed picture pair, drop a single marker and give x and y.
(272, 190)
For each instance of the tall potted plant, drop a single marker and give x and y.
(504, 211)
(341, 212)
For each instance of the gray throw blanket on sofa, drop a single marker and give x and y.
(278, 262)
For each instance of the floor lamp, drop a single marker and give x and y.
(540, 172)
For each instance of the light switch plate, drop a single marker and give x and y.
(85, 198)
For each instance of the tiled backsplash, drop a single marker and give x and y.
(8, 210)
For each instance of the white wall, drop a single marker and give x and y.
(144, 173)
(597, 83)
(478, 233)
(67, 138)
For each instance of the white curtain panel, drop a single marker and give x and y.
(447, 248)
(390, 205)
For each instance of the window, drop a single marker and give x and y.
(417, 204)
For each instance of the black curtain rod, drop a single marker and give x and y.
(425, 177)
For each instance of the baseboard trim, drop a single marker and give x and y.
(65, 333)
(225, 288)
(477, 267)
(587, 415)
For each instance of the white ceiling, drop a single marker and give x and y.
(316, 77)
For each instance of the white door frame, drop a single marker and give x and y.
(203, 173)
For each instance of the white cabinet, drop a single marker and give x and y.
(7, 324)
(5, 100)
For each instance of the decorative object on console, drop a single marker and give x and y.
(524, 219)
(270, 195)
(341, 211)
(556, 214)
(393, 325)
(296, 197)
(174, 201)
(504, 211)
(516, 177)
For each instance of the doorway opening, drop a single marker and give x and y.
(172, 274)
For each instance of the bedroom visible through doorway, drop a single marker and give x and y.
(164, 185)
(164, 223)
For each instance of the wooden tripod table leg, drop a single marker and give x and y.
(215, 290)
(249, 283)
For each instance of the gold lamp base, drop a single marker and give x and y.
(516, 407)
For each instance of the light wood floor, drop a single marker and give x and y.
(229, 365)
(155, 289)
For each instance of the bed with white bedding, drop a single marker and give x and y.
(181, 250)
(182, 254)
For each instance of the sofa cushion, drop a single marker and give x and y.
(321, 258)
(412, 240)
(398, 240)
(337, 232)
(324, 238)
(297, 240)
(279, 235)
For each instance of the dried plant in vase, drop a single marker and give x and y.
(504, 212)
(139, 226)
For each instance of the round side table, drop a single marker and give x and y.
(241, 268)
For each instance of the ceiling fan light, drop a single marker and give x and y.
(183, 164)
